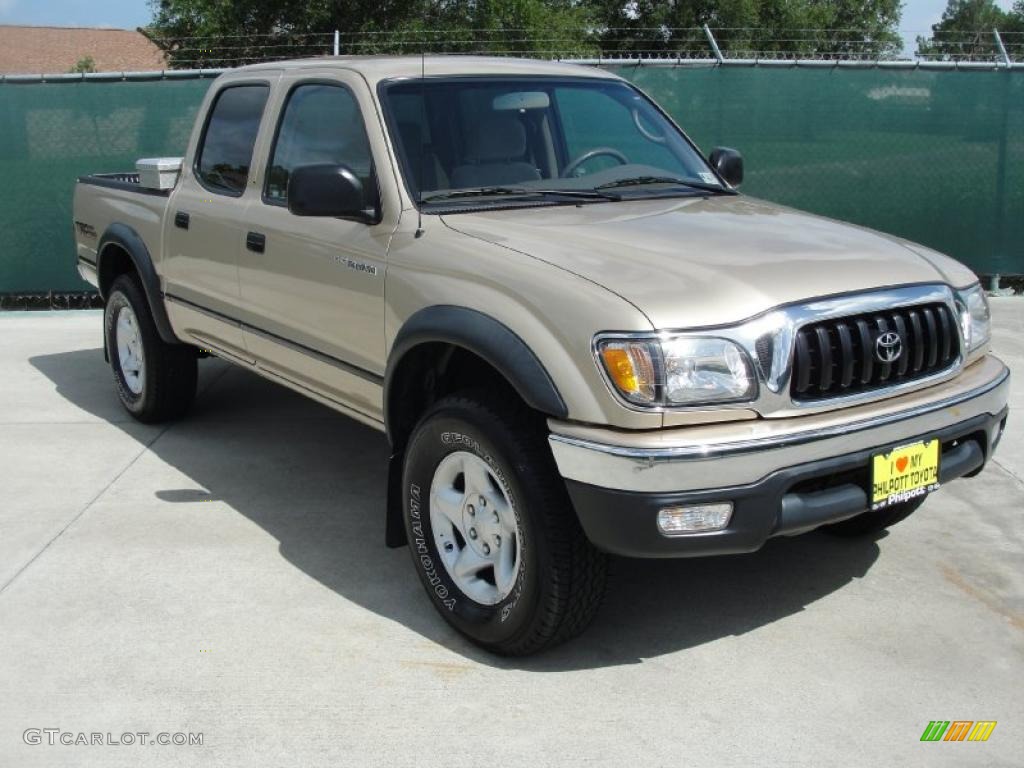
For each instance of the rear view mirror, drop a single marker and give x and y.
(729, 164)
(328, 190)
(521, 100)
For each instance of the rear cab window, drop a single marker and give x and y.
(225, 154)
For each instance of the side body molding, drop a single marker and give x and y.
(486, 337)
(128, 239)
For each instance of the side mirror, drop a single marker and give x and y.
(328, 190)
(729, 164)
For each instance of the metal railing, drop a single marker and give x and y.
(719, 44)
(626, 46)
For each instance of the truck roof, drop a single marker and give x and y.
(377, 68)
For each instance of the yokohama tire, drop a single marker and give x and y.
(155, 381)
(558, 580)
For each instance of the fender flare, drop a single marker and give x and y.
(128, 239)
(486, 337)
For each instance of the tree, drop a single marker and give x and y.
(539, 27)
(753, 28)
(965, 30)
(84, 64)
(207, 33)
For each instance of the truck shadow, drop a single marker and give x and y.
(314, 480)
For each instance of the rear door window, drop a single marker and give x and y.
(225, 156)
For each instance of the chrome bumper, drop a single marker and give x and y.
(744, 452)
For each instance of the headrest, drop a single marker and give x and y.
(412, 137)
(498, 136)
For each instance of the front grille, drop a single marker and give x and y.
(840, 357)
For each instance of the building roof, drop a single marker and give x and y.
(52, 50)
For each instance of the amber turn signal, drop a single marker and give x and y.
(630, 366)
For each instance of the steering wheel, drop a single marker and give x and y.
(591, 154)
(652, 137)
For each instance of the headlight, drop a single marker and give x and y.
(975, 317)
(678, 370)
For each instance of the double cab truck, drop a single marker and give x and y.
(578, 336)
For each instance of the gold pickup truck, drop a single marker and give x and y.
(578, 336)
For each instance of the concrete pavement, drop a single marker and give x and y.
(227, 576)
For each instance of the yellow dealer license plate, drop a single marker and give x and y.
(904, 474)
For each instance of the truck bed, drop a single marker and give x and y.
(102, 200)
(126, 181)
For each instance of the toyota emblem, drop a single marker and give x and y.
(888, 347)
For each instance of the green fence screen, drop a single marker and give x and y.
(936, 157)
(933, 156)
(52, 133)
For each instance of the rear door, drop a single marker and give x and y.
(314, 287)
(205, 226)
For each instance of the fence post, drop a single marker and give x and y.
(337, 42)
(713, 43)
(1001, 47)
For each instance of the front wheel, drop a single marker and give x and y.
(492, 531)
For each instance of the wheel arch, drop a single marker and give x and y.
(435, 347)
(451, 329)
(122, 250)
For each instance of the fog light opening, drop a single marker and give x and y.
(694, 518)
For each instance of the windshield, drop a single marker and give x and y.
(465, 139)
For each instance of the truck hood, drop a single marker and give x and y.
(699, 261)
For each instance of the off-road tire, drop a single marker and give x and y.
(561, 579)
(170, 369)
(872, 522)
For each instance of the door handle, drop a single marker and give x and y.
(181, 220)
(256, 242)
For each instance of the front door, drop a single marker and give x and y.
(314, 287)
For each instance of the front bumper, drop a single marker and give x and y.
(783, 476)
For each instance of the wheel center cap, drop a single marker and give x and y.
(482, 531)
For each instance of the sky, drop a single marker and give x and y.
(125, 14)
(918, 15)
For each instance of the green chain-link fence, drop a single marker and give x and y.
(933, 156)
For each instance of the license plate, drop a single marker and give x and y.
(904, 473)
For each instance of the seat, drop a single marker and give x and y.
(422, 159)
(495, 154)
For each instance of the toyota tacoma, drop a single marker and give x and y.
(579, 338)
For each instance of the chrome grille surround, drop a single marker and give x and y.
(874, 350)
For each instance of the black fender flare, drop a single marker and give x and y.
(486, 337)
(128, 239)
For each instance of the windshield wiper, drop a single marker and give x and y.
(487, 191)
(637, 181)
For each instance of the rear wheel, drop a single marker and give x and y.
(492, 531)
(155, 381)
(873, 522)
